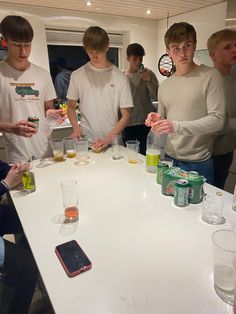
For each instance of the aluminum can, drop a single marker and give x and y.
(161, 167)
(168, 178)
(181, 193)
(196, 191)
(34, 119)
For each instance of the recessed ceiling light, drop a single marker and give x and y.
(88, 3)
(148, 11)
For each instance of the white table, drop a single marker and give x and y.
(148, 256)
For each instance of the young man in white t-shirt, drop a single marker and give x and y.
(222, 50)
(25, 90)
(191, 105)
(103, 92)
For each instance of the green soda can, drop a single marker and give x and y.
(181, 193)
(196, 191)
(161, 167)
(168, 178)
(35, 120)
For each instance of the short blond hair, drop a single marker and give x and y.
(218, 37)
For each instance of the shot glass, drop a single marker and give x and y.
(70, 200)
(58, 150)
(116, 147)
(82, 151)
(132, 151)
(212, 209)
(224, 258)
(70, 147)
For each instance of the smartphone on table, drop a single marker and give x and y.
(72, 258)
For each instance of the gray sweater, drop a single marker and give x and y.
(195, 103)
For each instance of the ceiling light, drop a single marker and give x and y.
(148, 11)
(88, 3)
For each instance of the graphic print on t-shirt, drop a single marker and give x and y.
(25, 89)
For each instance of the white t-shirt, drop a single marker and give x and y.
(22, 94)
(101, 93)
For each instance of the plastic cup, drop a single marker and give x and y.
(132, 151)
(70, 147)
(58, 150)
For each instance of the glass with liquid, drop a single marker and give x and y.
(132, 151)
(224, 253)
(70, 147)
(28, 181)
(70, 200)
(58, 150)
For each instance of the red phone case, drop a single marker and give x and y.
(78, 271)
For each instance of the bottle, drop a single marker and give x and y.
(234, 199)
(153, 152)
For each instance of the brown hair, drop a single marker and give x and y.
(16, 28)
(179, 32)
(135, 50)
(216, 38)
(95, 38)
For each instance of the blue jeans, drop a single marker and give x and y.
(204, 168)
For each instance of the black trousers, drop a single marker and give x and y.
(19, 272)
(137, 132)
(222, 164)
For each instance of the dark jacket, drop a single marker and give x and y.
(4, 169)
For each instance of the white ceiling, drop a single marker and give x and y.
(131, 8)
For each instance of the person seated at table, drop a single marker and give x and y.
(17, 267)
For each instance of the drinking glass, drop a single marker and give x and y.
(82, 151)
(58, 150)
(27, 175)
(70, 147)
(224, 256)
(132, 151)
(116, 147)
(212, 209)
(70, 199)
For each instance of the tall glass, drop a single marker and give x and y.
(70, 199)
(82, 151)
(132, 151)
(224, 253)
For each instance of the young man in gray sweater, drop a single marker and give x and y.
(191, 106)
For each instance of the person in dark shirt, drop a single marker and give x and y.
(17, 267)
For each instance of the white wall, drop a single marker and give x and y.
(148, 33)
(135, 30)
(206, 21)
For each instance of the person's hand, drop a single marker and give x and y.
(152, 117)
(13, 177)
(163, 127)
(58, 115)
(24, 128)
(146, 75)
(76, 133)
(101, 143)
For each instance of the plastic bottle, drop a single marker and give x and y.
(153, 152)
